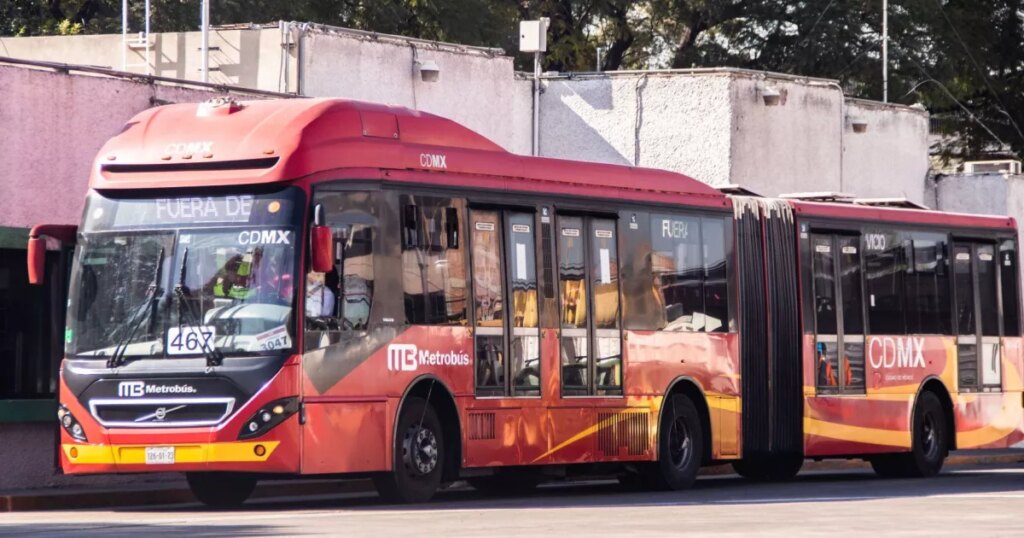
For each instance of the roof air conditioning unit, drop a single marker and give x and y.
(1005, 167)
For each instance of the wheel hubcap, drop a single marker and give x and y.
(680, 444)
(929, 437)
(420, 450)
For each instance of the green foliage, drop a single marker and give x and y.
(963, 59)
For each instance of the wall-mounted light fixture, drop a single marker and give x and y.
(858, 124)
(429, 70)
(769, 94)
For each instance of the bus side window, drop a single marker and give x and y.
(434, 268)
(340, 301)
(1009, 280)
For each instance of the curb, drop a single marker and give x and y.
(178, 493)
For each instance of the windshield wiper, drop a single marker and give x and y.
(213, 355)
(135, 321)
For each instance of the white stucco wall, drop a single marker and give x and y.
(54, 125)
(249, 57)
(789, 147)
(678, 123)
(475, 88)
(890, 159)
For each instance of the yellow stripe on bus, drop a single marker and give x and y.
(856, 434)
(240, 452)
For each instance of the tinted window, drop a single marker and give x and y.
(885, 266)
(824, 284)
(716, 296)
(849, 278)
(678, 267)
(964, 282)
(927, 277)
(1009, 280)
(433, 261)
(987, 290)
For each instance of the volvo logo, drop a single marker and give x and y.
(159, 415)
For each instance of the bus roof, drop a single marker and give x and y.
(223, 142)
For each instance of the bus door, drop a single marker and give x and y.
(838, 313)
(977, 314)
(506, 328)
(591, 336)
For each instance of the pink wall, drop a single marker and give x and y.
(51, 126)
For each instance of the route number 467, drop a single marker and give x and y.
(189, 340)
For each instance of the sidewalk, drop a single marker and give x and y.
(174, 492)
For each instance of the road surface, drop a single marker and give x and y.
(962, 502)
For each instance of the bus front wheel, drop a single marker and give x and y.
(680, 447)
(418, 462)
(221, 490)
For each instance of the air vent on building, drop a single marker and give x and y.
(1006, 167)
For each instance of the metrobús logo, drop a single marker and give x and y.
(137, 389)
(896, 352)
(408, 357)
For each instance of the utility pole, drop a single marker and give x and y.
(885, 51)
(205, 23)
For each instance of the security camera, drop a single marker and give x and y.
(429, 70)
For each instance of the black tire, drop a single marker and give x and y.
(418, 455)
(680, 447)
(930, 440)
(505, 483)
(221, 490)
(772, 469)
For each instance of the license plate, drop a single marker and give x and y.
(159, 455)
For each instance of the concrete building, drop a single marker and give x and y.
(768, 132)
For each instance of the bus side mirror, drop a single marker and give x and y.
(322, 249)
(65, 233)
(36, 260)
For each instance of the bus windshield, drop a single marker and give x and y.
(169, 277)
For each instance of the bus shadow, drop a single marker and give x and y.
(812, 487)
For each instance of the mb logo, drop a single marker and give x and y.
(131, 389)
(402, 357)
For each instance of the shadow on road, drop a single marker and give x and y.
(809, 487)
(125, 530)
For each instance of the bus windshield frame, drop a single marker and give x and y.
(186, 274)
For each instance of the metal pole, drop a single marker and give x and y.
(205, 23)
(536, 103)
(146, 49)
(597, 67)
(124, 35)
(885, 51)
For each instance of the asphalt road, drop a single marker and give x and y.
(963, 502)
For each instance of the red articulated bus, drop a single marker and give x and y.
(324, 287)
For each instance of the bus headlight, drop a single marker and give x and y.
(70, 423)
(268, 416)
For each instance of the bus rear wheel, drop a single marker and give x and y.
(771, 469)
(221, 490)
(930, 438)
(418, 455)
(680, 447)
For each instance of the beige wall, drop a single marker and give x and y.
(54, 125)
